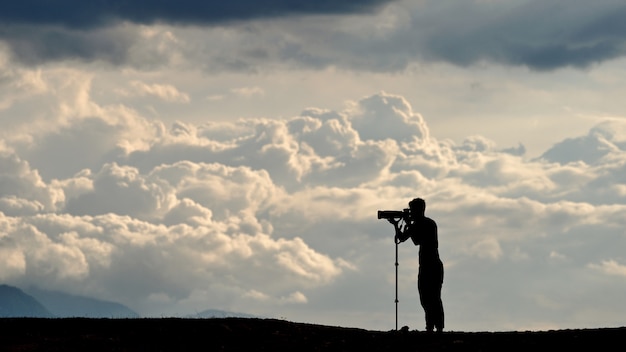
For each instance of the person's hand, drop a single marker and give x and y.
(393, 221)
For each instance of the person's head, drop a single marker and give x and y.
(417, 206)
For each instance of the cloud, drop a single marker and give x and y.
(247, 91)
(605, 140)
(166, 92)
(296, 297)
(277, 216)
(27, 248)
(17, 83)
(88, 15)
(535, 34)
(395, 113)
(22, 190)
(33, 44)
(610, 267)
(299, 149)
(67, 118)
(122, 190)
(61, 251)
(487, 248)
(258, 36)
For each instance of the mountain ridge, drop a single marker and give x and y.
(65, 305)
(16, 303)
(37, 303)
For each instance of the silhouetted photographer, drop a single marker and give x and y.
(423, 232)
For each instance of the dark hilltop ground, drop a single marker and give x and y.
(252, 334)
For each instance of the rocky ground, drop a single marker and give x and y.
(248, 334)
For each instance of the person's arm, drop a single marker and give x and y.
(400, 236)
(412, 230)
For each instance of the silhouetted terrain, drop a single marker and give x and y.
(248, 334)
(217, 313)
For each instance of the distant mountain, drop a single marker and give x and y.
(63, 305)
(15, 303)
(216, 313)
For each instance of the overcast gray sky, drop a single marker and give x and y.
(188, 155)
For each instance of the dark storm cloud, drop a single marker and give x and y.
(538, 34)
(40, 30)
(541, 35)
(95, 13)
(34, 44)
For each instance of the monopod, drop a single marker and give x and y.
(397, 216)
(397, 242)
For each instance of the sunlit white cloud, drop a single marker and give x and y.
(242, 202)
(610, 267)
(247, 91)
(166, 92)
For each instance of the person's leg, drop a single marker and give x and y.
(428, 300)
(437, 307)
(439, 303)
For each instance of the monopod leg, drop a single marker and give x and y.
(396, 286)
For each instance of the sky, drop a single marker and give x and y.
(178, 156)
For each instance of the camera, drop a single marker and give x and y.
(394, 214)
